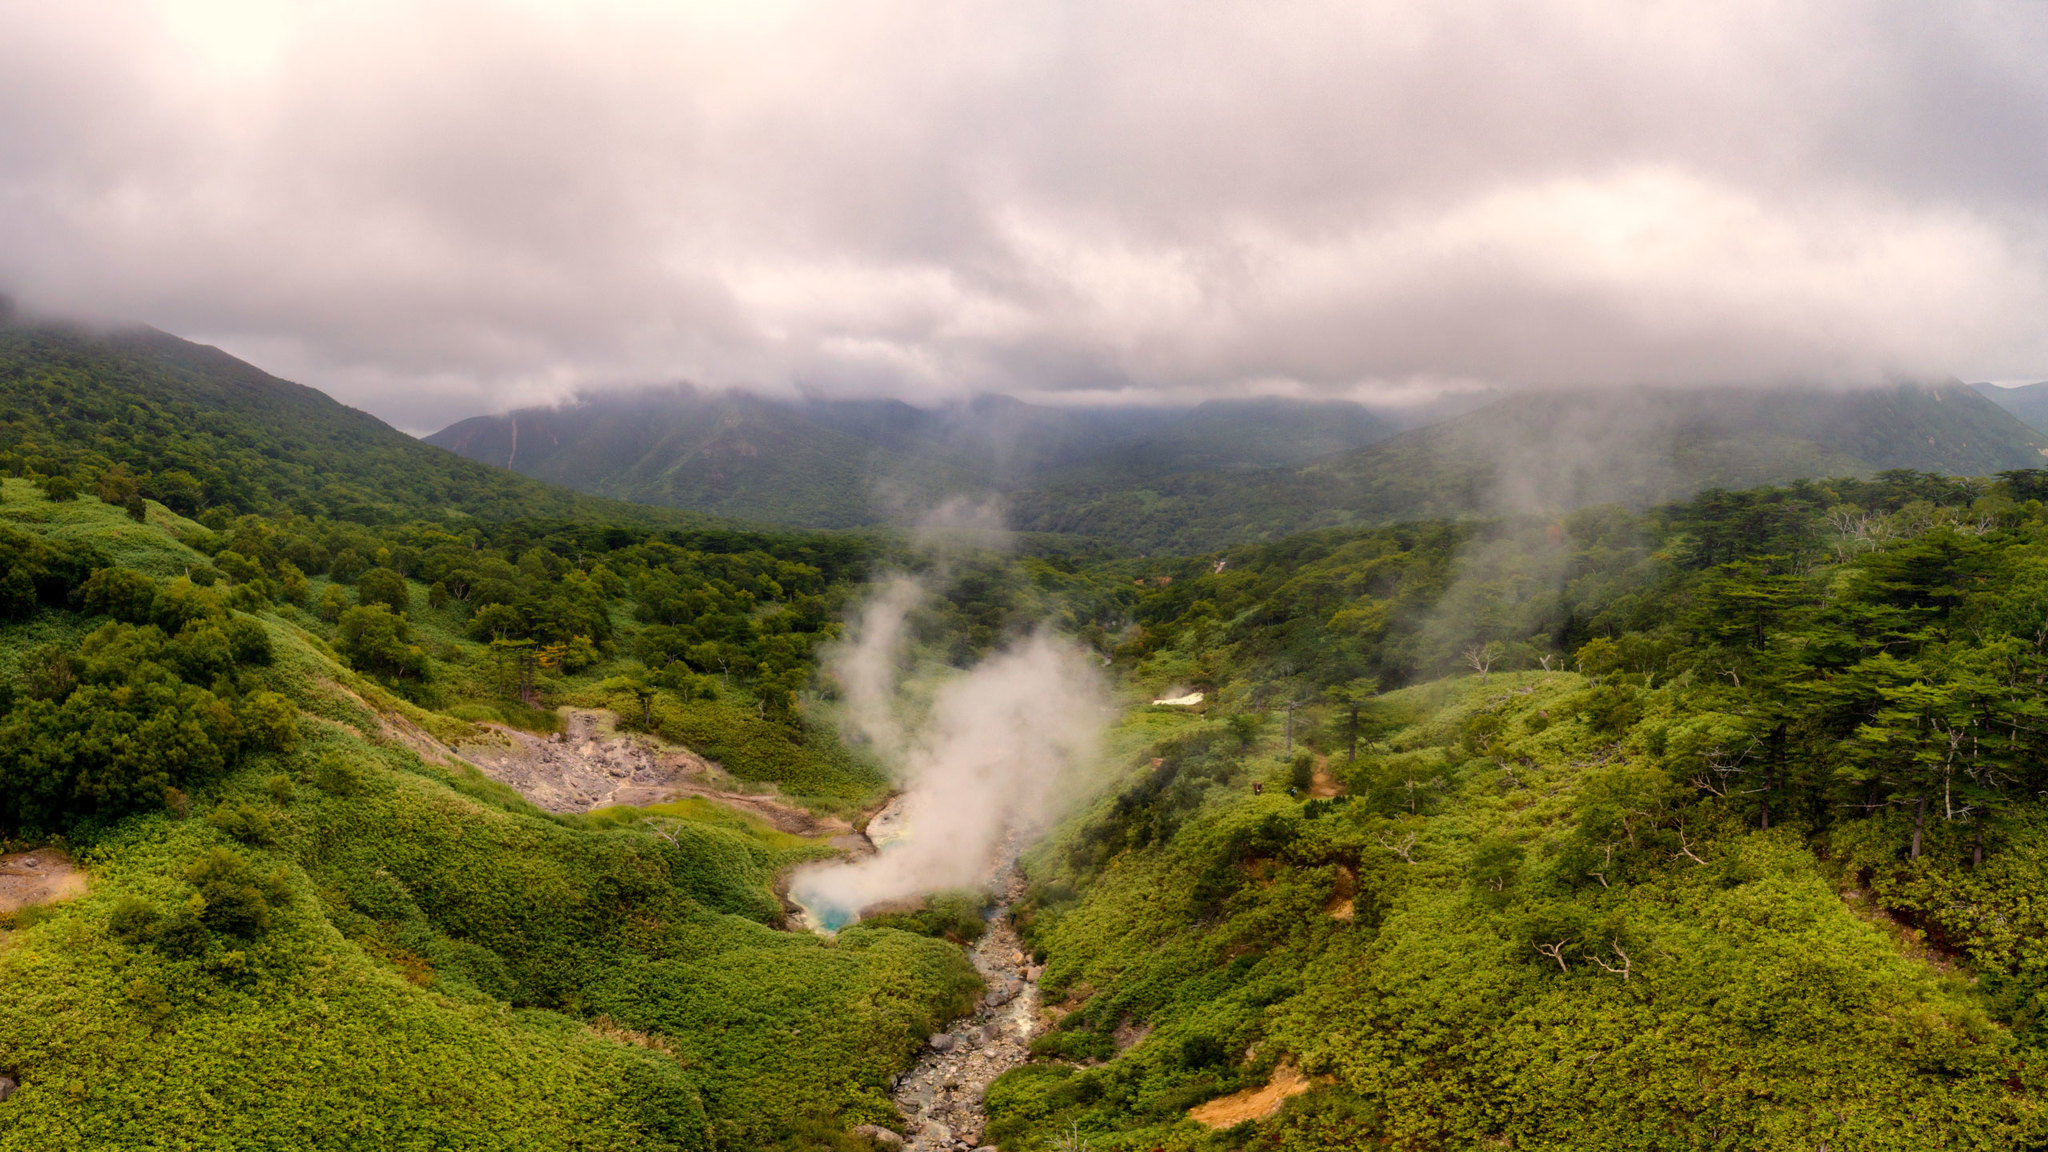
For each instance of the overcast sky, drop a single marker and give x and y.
(432, 210)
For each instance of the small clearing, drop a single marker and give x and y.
(44, 876)
(1252, 1103)
(1910, 941)
(590, 764)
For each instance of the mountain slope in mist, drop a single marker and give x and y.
(1197, 478)
(733, 453)
(2028, 402)
(202, 429)
(840, 463)
(1549, 452)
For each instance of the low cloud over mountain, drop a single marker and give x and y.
(432, 212)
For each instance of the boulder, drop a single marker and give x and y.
(8, 1087)
(879, 1135)
(941, 1042)
(934, 1135)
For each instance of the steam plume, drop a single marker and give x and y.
(994, 754)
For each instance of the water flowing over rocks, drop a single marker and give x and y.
(941, 1095)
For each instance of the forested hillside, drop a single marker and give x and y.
(1721, 827)
(307, 927)
(1176, 480)
(2027, 402)
(195, 428)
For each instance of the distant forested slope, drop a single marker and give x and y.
(1167, 480)
(2028, 402)
(199, 429)
(1553, 452)
(842, 463)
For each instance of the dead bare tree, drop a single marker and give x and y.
(1626, 964)
(1388, 843)
(1480, 658)
(1555, 952)
(1685, 849)
(663, 829)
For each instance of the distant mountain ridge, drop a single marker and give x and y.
(1189, 479)
(1547, 452)
(843, 463)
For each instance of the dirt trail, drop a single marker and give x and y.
(1324, 783)
(591, 764)
(941, 1095)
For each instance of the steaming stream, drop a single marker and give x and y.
(990, 763)
(940, 1097)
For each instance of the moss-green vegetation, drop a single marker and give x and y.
(956, 915)
(301, 934)
(1756, 872)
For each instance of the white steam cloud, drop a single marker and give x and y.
(994, 754)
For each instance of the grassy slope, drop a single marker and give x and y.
(1759, 1010)
(451, 969)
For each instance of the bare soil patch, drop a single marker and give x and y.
(1252, 1103)
(1343, 903)
(1323, 785)
(44, 876)
(590, 764)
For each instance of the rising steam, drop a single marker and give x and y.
(995, 753)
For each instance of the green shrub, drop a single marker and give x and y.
(386, 587)
(336, 775)
(134, 921)
(955, 915)
(123, 593)
(232, 899)
(244, 823)
(376, 640)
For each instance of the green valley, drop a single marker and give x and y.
(1646, 823)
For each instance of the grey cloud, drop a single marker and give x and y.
(437, 210)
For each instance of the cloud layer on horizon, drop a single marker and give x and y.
(431, 211)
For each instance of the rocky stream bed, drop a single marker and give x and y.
(941, 1096)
